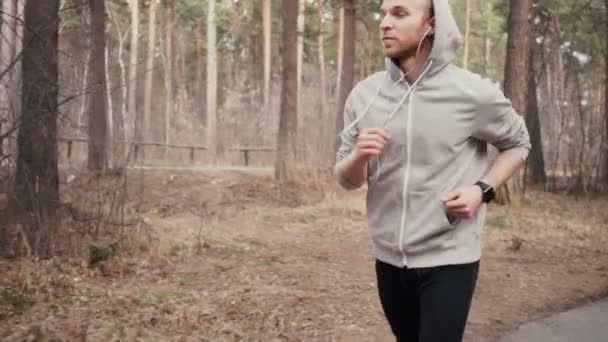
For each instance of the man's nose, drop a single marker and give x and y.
(386, 24)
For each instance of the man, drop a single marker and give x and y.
(417, 133)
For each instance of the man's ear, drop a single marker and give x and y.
(432, 26)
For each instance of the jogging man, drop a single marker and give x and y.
(418, 135)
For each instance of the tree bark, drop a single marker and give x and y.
(301, 28)
(487, 39)
(321, 51)
(7, 56)
(235, 31)
(122, 122)
(37, 181)
(288, 120)
(148, 88)
(133, 66)
(85, 22)
(606, 97)
(98, 123)
(581, 176)
(211, 82)
(348, 63)
(267, 23)
(169, 72)
(110, 122)
(200, 92)
(536, 160)
(340, 53)
(7, 87)
(467, 35)
(516, 79)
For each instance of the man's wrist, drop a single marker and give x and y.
(358, 161)
(489, 182)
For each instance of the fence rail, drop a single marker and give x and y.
(137, 145)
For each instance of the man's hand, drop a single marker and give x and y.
(464, 202)
(352, 170)
(370, 143)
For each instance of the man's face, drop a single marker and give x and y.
(403, 25)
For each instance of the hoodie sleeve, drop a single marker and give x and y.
(499, 124)
(348, 142)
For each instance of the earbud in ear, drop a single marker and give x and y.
(429, 31)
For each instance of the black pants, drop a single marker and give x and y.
(427, 304)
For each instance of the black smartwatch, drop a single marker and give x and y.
(488, 193)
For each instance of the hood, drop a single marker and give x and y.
(445, 45)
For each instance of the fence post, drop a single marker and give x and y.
(136, 151)
(69, 148)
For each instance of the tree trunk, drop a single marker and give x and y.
(606, 97)
(288, 120)
(267, 22)
(348, 63)
(487, 39)
(148, 87)
(322, 76)
(582, 179)
(98, 123)
(467, 36)
(7, 57)
(516, 79)
(211, 82)
(301, 28)
(37, 180)
(110, 112)
(235, 31)
(122, 122)
(16, 74)
(84, 10)
(169, 71)
(557, 97)
(340, 53)
(7, 87)
(133, 63)
(200, 71)
(326, 130)
(536, 160)
(9, 11)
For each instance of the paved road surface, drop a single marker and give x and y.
(585, 324)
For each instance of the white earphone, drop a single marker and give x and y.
(428, 31)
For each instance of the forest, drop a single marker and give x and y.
(166, 167)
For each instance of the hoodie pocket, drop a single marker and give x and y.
(428, 221)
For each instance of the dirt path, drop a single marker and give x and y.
(265, 271)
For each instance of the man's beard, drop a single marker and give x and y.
(403, 53)
(410, 51)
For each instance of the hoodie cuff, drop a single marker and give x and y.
(521, 152)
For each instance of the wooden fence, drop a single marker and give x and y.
(137, 146)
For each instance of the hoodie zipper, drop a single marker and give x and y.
(406, 176)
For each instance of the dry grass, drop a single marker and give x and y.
(235, 259)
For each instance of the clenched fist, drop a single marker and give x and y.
(370, 143)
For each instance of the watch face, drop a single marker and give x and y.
(490, 195)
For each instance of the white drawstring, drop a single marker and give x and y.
(407, 94)
(399, 104)
(369, 106)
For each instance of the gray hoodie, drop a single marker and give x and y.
(440, 126)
